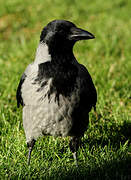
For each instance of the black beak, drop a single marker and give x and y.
(80, 34)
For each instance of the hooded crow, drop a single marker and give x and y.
(56, 92)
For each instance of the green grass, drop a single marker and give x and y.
(106, 150)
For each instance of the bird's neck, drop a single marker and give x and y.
(62, 58)
(61, 54)
(42, 54)
(56, 55)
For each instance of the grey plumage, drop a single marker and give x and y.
(57, 93)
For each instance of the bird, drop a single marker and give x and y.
(56, 91)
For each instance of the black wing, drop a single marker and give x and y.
(88, 94)
(88, 99)
(18, 93)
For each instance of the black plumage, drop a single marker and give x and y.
(18, 93)
(57, 93)
(63, 82)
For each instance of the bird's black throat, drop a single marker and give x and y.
(61, 54)
(63, 73)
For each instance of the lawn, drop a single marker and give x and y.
(106, 145)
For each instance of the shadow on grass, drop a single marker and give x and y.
(114, 135)
(115, 170)
(126, 130)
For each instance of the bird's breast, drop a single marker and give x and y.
(44, 114)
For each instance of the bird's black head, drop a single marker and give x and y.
(61, 35)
